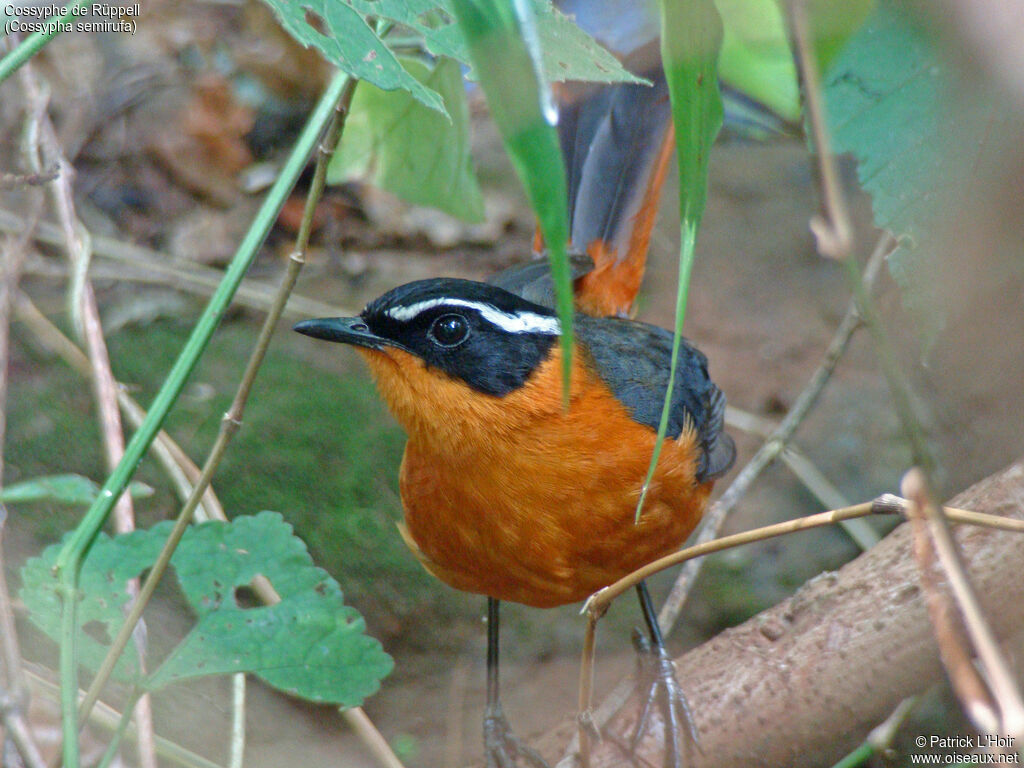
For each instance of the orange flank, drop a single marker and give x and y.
(521, 500)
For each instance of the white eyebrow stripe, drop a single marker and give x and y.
(520, 322)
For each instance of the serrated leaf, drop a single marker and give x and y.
(566, 51)
(890, 99)
(102, 586)
(62, 489)
(348, 42)
(569, 53)
(310, 644)
(399, 145)
(505, 51)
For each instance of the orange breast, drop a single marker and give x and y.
(522, 500)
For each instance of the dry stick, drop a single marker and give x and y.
(597, 604)
(86, 318)
(229, 426)
(181, 469)
(176, 272)
(107, 717)
(949, 633)
(15, 694)
(1001, 682)
(834, 239)
(774, 445)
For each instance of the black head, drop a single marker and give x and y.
(487, 337)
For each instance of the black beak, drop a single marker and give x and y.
(346, 330)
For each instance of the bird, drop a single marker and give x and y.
(509, 491)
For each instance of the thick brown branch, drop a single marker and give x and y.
(804, 682)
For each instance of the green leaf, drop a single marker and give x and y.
(569, 53)
(505, 51)
(62, 489)
(342, 35)
(917, 134)
(310, 644)
(691, 39)
(399, 145)
(756, 58)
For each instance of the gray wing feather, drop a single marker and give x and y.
(634, 359)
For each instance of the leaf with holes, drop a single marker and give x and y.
(62, 489)
(341, 34)
(310, 644)
(409, 150)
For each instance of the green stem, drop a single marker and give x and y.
(32, 44)
(69, 562)
(858, 757)
(122, 728)
(687, 251)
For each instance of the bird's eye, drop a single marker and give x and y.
(449, 330)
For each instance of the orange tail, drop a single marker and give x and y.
(617, 142)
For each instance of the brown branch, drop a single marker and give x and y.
(1004, 707)
(803, 682)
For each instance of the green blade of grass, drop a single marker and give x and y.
(505, 51)
(32, 44)
(71, 557)
(691, 38)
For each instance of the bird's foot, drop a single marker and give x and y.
(658, 684)
(503, 748)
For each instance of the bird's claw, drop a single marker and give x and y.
(503, 748)
(658, 674)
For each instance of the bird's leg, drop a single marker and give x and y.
(658, 676)
(502, 747)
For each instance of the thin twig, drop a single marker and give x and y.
(107, 718)
(179, 467)
(994, 702)
(232, 419)
(881, 736)
(597, 604)
(86, 319)
(178, 273)
(9, 180)
(237, 720)
(713, 521)
(15, 693)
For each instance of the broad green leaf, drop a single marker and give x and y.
(567, 52)
(756, 57)
(102, 586)
(399, 145)
(342, 35)
(917, 134)
(691, 39)
(505, 51)
(310, 644)
(62, 489)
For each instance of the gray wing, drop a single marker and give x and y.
(532, 281)
(634, 360)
